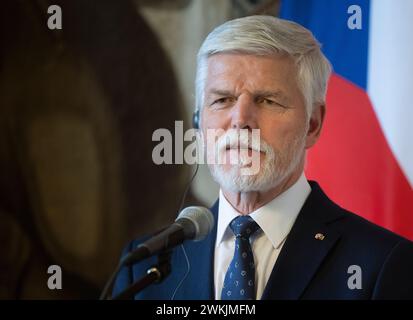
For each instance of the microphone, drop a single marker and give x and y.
(192, 223)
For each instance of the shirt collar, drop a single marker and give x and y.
(275, 218)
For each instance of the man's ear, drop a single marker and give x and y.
(316, 123)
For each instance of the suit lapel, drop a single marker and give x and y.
(199, 283)
(299, 260)
(302, 254)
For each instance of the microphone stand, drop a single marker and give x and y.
(155, 274)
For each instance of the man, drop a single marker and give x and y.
(277, 235)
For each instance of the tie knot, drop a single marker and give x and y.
(243, 226)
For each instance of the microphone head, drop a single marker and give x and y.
(202, 219)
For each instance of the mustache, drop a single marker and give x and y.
(233, 139)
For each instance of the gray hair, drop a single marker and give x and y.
(267, 35)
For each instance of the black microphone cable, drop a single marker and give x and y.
(112, 278)
(188, 264)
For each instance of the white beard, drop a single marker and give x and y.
(275, 168)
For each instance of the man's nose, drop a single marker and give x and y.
(243, 114)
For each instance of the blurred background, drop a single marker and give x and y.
(78, 107)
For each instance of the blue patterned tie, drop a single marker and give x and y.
(239, 283)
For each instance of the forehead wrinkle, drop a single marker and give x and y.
(249, 76)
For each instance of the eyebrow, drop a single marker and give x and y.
(259, 93)
(275, 94)
(219, 92)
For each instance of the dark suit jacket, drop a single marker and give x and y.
(307, 268)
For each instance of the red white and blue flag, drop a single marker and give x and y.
(364, 158)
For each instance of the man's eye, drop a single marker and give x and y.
(224, 100)
(270, 102)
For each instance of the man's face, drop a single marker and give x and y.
(256, 92)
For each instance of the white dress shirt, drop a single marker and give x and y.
(275, 218)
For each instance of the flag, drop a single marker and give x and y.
(364, 157)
